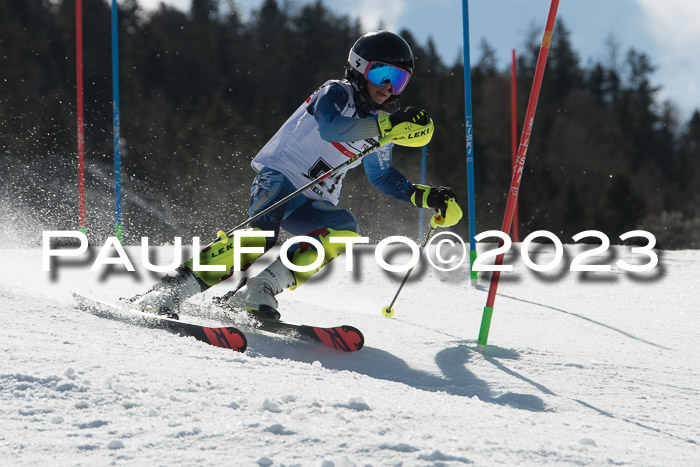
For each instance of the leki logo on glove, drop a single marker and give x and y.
(645, 258)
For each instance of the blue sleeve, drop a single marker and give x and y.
(333, 126)
(388, 179)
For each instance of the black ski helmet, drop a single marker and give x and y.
(381, 46)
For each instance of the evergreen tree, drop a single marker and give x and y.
(203, 90)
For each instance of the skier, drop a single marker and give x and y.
(338, 121)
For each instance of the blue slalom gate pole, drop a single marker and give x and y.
(115, 106)
(423, 166)
(470, 140)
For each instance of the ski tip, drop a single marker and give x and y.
(343, 338)
(83, 301)
(359, 338)
(228, 338)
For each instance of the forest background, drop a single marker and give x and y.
(202, 91)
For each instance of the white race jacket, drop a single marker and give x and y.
(298, 151)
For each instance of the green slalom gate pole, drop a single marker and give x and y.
(518, 168)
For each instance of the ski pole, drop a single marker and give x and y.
(376, 145)
(388, 311)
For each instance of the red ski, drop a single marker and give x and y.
(226, 337)
(344, 338)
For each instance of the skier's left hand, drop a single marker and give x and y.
(407, 127)
(409, 114)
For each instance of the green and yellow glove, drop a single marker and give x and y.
(442, 199)
(407, 127)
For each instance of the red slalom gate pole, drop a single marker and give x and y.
(514, 134)
(518, 167)
(79, 98)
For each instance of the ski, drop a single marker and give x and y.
(344, 338)
(226, 337)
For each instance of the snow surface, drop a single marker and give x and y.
(582, 368)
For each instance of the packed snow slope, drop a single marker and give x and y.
(581, 368)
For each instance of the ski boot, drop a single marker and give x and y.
(166, 297)
(257, 295)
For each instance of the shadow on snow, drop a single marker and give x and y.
(379, 364)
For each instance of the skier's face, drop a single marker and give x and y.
(380, 95)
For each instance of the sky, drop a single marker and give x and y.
(666, 30)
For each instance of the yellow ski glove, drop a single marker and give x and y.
(407, 127)
(443, 200)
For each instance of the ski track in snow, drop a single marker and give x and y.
(582, 369)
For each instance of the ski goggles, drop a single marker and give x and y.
(382, 74)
